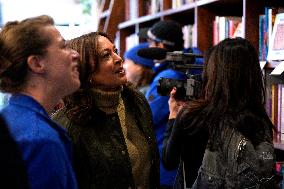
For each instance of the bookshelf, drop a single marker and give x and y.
(139, 13)
(201, 14)
(110, 16)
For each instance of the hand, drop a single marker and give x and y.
(174, 104)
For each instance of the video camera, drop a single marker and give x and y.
(187, 89)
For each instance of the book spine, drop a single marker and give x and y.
(280, 127)
(281, 131)
(274, 106)
(216, 30)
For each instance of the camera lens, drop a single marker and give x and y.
(165, 85)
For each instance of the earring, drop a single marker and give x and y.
(91, 82)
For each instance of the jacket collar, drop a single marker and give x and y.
(30, 103)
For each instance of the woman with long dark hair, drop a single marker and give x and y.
(233, 99)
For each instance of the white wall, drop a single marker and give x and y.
(63, 12)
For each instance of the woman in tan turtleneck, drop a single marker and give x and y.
(109, 122)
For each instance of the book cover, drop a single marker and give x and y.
(274, 104)
(216, 31)
(239, 32)
(276, 43)
(280, 119)
(261, 31)
(268, 93)
(233, 24)
(222, 28)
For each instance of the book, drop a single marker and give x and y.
(270, 14)
(155, 6)
(276, 43)
(281, 111)
(239, 31)
(216, 31)
(274, 104)
(268, 93)
(133, 9)
(262, 38)
(226, 27)
(188, 35)
(131, 41)
(280, 127)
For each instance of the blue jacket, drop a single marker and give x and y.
(44, 145)
(160, 110)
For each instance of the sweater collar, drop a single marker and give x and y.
(107, 101)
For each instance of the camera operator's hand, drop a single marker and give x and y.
(174, 104)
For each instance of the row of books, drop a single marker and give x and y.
(271, 49)
(223, 27)
(189, 36)
(226, 27)
(154, 7)
(149, 7)
(275, 109)
(131, 9)
(266, 24)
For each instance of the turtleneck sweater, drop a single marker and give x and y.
(138, 149)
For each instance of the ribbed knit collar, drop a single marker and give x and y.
(107, 101)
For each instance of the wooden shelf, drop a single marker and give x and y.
(139, 20)
(202, 14)
(205, 2)
(182, 9)
(170, 12)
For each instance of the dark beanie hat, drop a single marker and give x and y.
(132, 55)
(167, 32)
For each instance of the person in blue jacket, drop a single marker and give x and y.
(168, 35)
(12, 169)
(139, 70)
(38, 69)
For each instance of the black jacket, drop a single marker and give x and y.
(101, 156)
(186, 144)
(185, 139)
